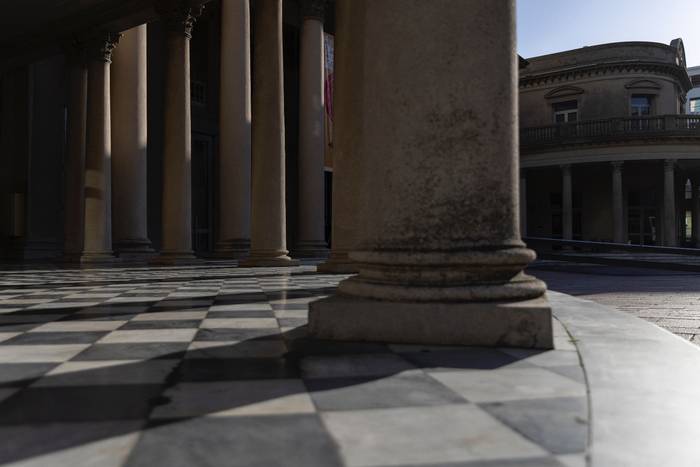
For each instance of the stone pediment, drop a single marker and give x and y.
(643, 84)
(564, 91)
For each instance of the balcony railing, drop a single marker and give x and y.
(592, 131)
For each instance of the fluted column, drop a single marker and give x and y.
(74, 171)
(617, 204)
(268, 232)
(312, 243)
(176, 211)
(346, 164)
(97, 241)
(441, 259)
(130, 144)
(670, 234)
(523, 204)
(234, 137)
(567, 207)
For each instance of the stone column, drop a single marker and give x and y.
(441, 259)
(97, 241)
(176, 214)
(234, 137)
(670, 234)
(617, 204)
(312, 243)
(346, 165)
(130, 144)
(523, 204)
(567, 207)
(268, 233)
(74, 171)
(696, 211)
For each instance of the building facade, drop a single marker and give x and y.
(609, 149)
(129, 129)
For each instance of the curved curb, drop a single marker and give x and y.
(644, 385)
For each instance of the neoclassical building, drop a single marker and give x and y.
(167, 128)
(610, 147)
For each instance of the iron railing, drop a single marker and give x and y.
(591, 131)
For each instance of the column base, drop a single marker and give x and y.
(174, 258)
(233, 249)
(338, 263)
(262, 259)
(136, 249)
(526, 324)
(311, 249)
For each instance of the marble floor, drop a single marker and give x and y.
(209, 365)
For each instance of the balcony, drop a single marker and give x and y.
(610, 130)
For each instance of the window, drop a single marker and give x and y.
(565, 111)
(695, 106)
(641, 106)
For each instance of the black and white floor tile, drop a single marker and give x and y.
(209, 365)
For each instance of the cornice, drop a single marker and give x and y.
(601, 69)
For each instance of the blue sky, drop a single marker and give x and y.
(547, 26)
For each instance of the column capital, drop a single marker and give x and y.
(669, 164)
(617, 165)
(566, 168)
(179, 16)
(313, 9)
(98, 47)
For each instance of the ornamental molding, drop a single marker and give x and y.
(606, 69)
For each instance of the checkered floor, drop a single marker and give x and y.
(209, 365)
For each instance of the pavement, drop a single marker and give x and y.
(670, 299)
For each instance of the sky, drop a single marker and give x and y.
(548, 26)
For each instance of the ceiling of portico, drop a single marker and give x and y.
(32, 28)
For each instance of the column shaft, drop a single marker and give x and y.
(97, 242)
(347, 106)
(439, 252)
(75, 154)
(235, 134)
(670, 234)
(268, 232)
(130, 144)
(617, 204)
(567, 208)
(523, 205)
(176, 211)
(311, 134)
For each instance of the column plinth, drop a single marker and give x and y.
(130, 145)
(670, 234)
(235, 135)
(97, 239)
(268, 227)
(176, 211)
(439, 251)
